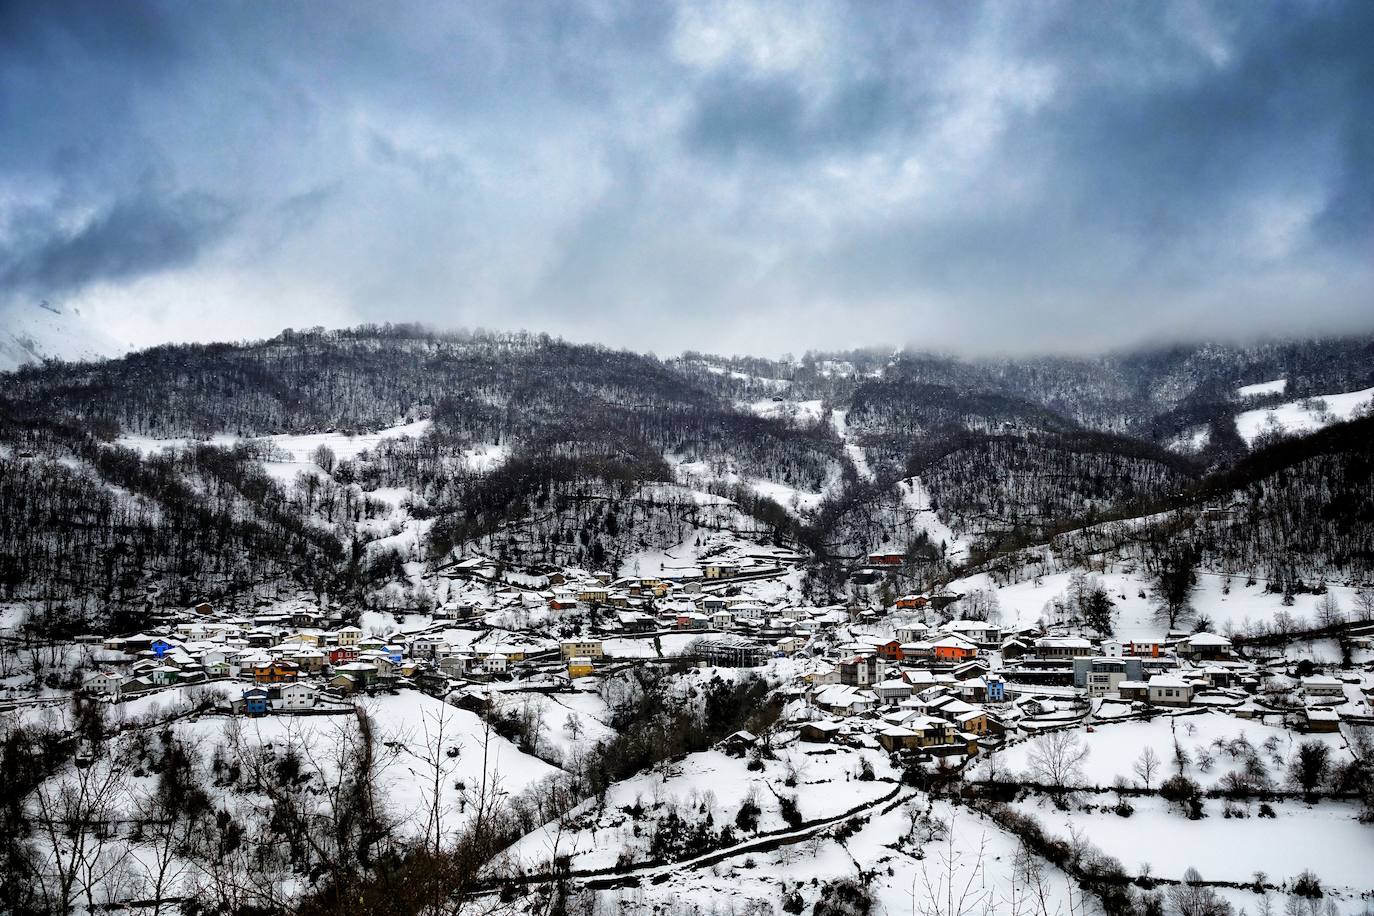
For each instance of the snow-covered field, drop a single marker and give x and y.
(299, 447)
(1114, 748)
(802, 413)
(1277, 386)
(1326, 838)
(1136, 618)
(1304, 416)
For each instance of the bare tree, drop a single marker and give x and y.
(324, 458)
(1193, 898)
(1328, 611)
(1364, 603)
(1147, 765)
(1056, 758)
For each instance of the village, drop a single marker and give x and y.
(916, 678)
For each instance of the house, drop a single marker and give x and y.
(339, 655)
(635, 621)
(691, 620)
(1062, 646)
(790, 645)
(721, 570)
(1143, 649)
(106, 683)
(861, 671)
(845, 700)
(362, 673)
(912, 632)
(891, 650)
(979, 632)
(1323, 685)
(1133, 690)
(912, 602)
(563, 602)
(926, 732)
(886, 558)
(346, 683)
(896, 738)
(579, 666)
(457, 665)
(255, 701)
(1101, 676)
(997, 689)
(295, 696)
(738, 743)
(972, 690)
(821, 732)
(1014, 647)
(582, 648)
(975, 722)
(892, 690)
(274, 672)
(1322, 720)
(953, 649)
(495, 664)
(1170, 690)
(1205, 647)
(348, 636)
(593, 593)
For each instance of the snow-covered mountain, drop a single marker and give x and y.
(35, 331)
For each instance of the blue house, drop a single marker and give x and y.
(161, 647)
(255, 701)
(997, 690)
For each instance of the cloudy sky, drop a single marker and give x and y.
(733, 176)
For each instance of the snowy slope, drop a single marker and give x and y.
(1277, 386)
(1304, 416)
(33, 332)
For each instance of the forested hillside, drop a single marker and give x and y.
(351, 465)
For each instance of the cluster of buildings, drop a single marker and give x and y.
(964, 684)
(920, 684)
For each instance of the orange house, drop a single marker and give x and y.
(912, 602)
(891, 650)
(953, 649)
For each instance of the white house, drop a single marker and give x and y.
(296, 696)
(1170, 690)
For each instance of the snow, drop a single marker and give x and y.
(800, 412)
(839, 419)
(1114, 748)
(1302, 416)
(1326, 838)
(298, 446)
(916, 498)
(32, 332)
(1194, 440)
(1136, 618)
(826, 786)
(1277, 386)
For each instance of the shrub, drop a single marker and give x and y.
(1307, 885)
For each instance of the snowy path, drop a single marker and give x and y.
(839, 418)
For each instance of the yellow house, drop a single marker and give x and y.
(582, 648)
(579, 667)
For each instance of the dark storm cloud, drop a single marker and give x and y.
(130, 239)
(737, 175)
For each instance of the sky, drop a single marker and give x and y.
(735, 177)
